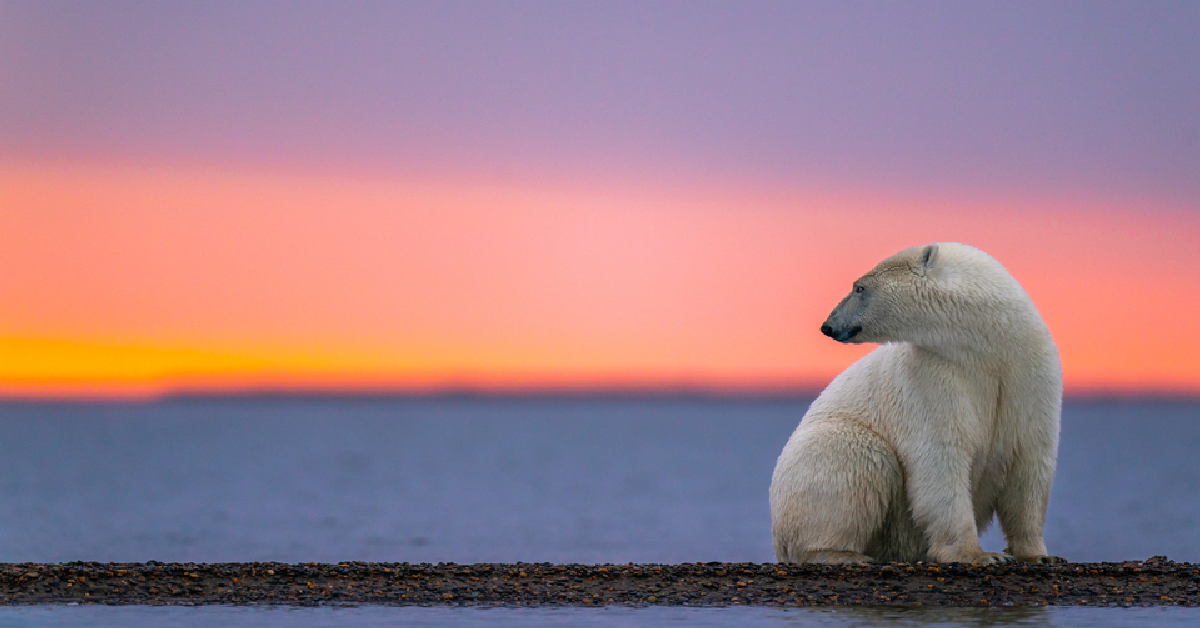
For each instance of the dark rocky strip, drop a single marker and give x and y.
(1153, 582)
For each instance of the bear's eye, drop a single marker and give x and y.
(858, 289)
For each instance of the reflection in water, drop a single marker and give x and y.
(933, 616)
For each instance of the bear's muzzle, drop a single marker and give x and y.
(840, 335)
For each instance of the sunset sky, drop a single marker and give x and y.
(381, 196)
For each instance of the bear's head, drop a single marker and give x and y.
(940, 294)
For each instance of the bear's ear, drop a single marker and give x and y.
(929, 257)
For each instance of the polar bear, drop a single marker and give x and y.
(907, 454)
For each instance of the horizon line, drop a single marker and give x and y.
(715, 391)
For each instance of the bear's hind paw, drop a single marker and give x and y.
(982, 558)
(835, 557)
(1041, 560)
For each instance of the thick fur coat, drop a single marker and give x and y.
(909, 453)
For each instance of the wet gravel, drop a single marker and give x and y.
(1154, 582)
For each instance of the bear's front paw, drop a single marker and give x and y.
(1044, 560)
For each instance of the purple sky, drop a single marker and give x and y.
(1060, 97)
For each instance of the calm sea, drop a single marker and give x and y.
(472, 479)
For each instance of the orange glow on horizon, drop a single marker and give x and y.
(129, 282)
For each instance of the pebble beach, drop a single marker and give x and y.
(1155, 582)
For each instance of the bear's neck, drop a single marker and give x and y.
(994, 348)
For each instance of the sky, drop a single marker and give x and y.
(419, 195)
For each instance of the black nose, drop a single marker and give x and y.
(827, 330)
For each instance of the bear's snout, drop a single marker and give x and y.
(840, 335)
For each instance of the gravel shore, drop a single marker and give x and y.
(1153, 582)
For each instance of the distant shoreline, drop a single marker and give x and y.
(1155, 582)
(682, 393)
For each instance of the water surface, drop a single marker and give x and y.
(503, 480)
(416, 617)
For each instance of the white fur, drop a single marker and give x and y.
(907, 454)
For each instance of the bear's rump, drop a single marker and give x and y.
(839, 487)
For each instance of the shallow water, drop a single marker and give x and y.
(502, 480)
(416, 617)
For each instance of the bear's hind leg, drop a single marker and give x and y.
(831, 493)
(901, 540)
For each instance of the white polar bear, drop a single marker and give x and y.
(909, 452)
